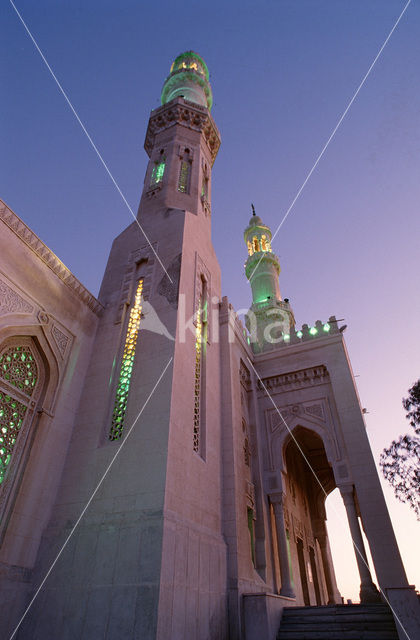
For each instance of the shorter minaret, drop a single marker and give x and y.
(270, 318)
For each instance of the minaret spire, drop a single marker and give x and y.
(182, 142)
(269, 318)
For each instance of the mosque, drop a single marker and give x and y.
(164, 469)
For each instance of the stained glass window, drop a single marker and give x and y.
(12, 414)
(157, 172)
(18, 370)
(18, 367)
(124, 380)
(197, 380)
(184, 174)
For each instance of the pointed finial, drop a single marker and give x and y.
(253, 209)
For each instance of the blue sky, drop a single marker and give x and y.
(282, 74)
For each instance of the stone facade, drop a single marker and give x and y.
(209, 518)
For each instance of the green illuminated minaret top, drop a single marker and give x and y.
(262, 269)
(189, 79)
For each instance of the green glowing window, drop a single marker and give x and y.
(197, 379)
(199, 373)
(124, 380)
(18, 367)
(184, 175)
(12, 414)
(158, 171)
(18, 371)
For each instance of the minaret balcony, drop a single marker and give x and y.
(261, 258)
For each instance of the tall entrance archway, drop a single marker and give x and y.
(308, 479)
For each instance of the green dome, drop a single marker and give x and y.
(189, 79)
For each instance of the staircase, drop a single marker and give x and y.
(338, 622)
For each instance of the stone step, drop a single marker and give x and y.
(337, 609)
(338, 622)
(328, 624)
(354, 634)
(342, 619)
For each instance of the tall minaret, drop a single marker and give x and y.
(270, 318)
(182, 141)
(155, 375)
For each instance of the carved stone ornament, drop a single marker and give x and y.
(143, 253)
(201, 273)
(296, 379)
(60, 339)
(185, 113)
(48, 257)
(170, 289)
(298, 528)
(12, 302)
(315, 410)
(43, 317)
(244, 375)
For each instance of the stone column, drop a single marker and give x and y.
(277, 500)
(368, 591)
(322, 538)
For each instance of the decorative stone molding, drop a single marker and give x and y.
(315, 410)
(187, 114)
(201, 272)
(43, 317)
(60, 339)
(244, 375)
(168, 289)
(154, 189)
(250, 494)
(48, 257)
(206, 206)
(12, 302)
(298, 528)
(144, 253)
(296, 379)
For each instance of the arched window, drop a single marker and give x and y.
(184, 173)
(124, 380)
(264, 243)
(200, 371)
(158, 170)
(19, 382)
(250, 250)
(205, 184)
(256, 243)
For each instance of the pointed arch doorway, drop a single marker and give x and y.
(308, 479)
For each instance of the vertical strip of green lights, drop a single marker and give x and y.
(197, 380)
(126, 370)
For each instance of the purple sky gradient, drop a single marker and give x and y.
(282, 74)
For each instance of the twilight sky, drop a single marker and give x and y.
(282, 73)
